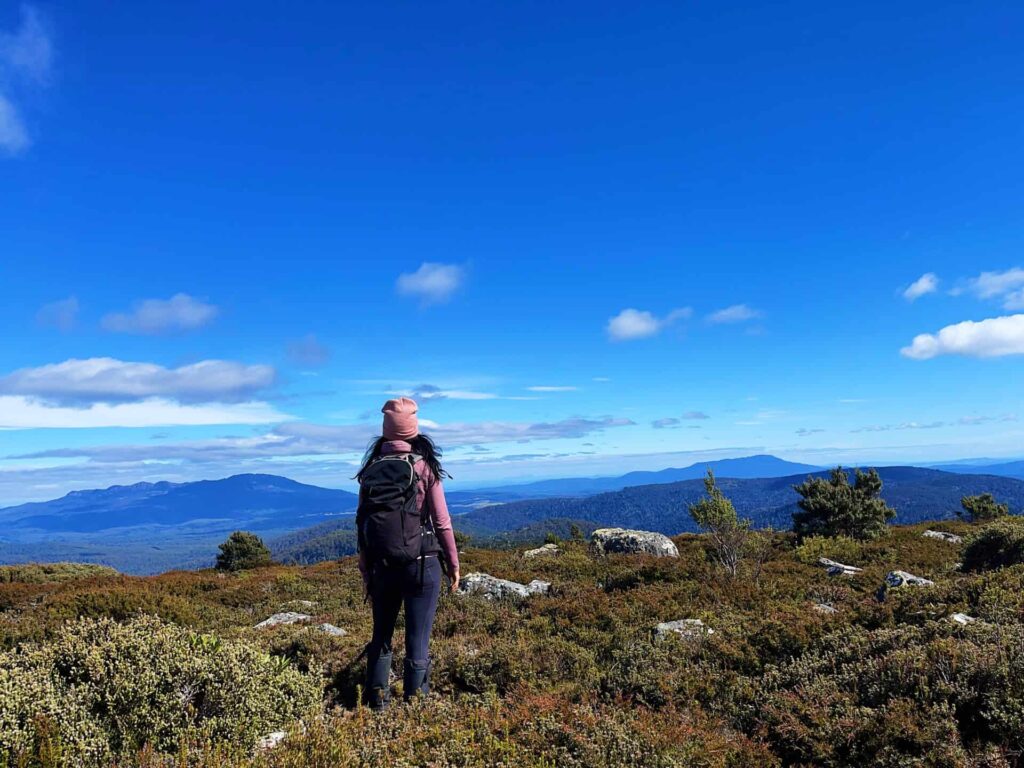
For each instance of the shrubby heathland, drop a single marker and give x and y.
(851, 645)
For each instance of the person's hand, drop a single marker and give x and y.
(366, 590)
(455, 580)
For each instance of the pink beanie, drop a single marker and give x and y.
(400, 421)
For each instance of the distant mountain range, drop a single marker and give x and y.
(1004, 469)
(149, 527)
(917, 494)
(746, 467)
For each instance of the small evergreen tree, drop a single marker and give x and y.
(832, 507)
(575, 533)
(242, 550)
(981, 508)
(716, 516)
(552, 538)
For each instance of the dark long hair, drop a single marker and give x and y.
(422, 445)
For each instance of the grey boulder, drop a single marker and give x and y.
(834, 568)
(287, 617)
(608, 541)
(949, 538)
(689, 629)
(546, 551)
(492, 588)
(903, 579)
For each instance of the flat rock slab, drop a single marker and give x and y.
(903, 579)
(962, 618)
(492, 588)
(546, 551)
(825, 608)
(287, 617)
(687, 628)
(949, 538)
(615, 541)
(834, 568)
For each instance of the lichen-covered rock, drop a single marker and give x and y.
(690, 629)
(492, 588)
(834, 568)
(899, 579)
(962, 618)
(270, 741)
(546, 551)
(904, 579)
(332, 630)
(949, 538)
(825, 608)
(287, 617)
(608, 541)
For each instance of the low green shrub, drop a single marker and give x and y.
(45, 573)
(997, 545)
(103, 685)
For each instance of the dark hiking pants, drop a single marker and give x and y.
(390, 589)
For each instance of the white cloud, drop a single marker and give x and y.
(427, 392)
(1007, 286)
(925, 284)
(19, 412)
(432, 283)
(61, 315)
(737, 313)
(106, 380)
(25, 61)
(308, 351)
(632, 324)
(995, 337)
(178, 313)
(548, 388)
(698, 415)
(665, 423)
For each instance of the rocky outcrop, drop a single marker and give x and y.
(825, 608)
(949, 538)
(690, 629)
(609, 541)
(834, 568)
(492, 588)
(546, 551)
(287, 617)
(962, 618)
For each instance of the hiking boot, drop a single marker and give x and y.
(378, 682)
(415, 678)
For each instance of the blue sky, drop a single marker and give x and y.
(589, 237)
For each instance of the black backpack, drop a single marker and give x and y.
(391, 530)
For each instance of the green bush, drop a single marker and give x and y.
(243, 550)
(997, 545)
(981, 508)
(833, 507)
(101, 684)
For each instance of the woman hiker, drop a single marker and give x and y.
(405, 541)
